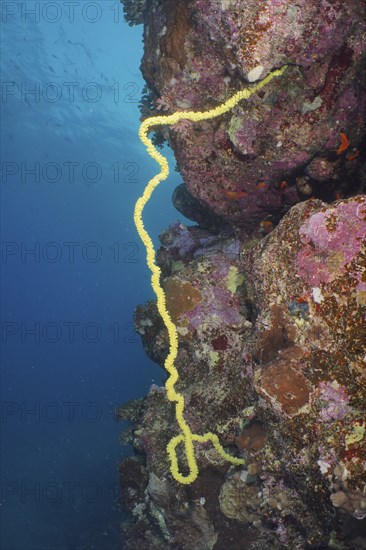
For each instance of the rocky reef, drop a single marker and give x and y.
(301, 137)
(272, 358)
(268, 290)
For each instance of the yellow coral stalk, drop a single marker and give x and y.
(186, 436)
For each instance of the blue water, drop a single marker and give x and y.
(73, 268)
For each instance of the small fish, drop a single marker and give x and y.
(344, 143)
(267, 226)
(353, 155)
(234, 195)
(261, 185)
(283, 185)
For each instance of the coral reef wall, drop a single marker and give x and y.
(268, 291)
(272, 358)
(284, 144)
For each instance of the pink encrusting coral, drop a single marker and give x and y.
(332, 238)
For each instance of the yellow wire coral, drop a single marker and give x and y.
(186, 436)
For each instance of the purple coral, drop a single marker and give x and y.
(178, 237)
(335, 400)
(332, 238)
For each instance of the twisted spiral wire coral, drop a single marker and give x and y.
(186, 436)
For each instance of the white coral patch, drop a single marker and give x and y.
(324, 467)
(317, 295)
(255, 73)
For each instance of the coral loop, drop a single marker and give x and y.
(186, 436)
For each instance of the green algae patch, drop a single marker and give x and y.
(234, 279)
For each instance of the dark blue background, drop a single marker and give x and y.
(78, 289)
